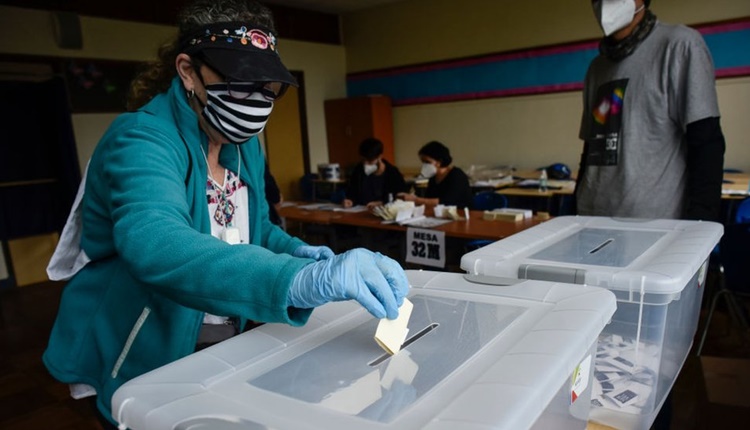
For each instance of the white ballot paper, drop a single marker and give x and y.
(391, 334)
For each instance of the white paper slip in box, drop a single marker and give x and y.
(391, 334)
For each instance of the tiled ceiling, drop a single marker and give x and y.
(310, 20)
(331, 6)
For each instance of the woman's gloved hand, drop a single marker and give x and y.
(377, 282)
(317, 253)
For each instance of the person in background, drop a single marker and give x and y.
(174, 250)
(448, 185)
(653, 145)
(273, 196)
(374, 181)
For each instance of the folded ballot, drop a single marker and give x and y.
(391, 334)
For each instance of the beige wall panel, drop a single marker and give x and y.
(283, 140)
(734, 103)
(4, 272)
(526, 132)
(418, 31)
(533, 131)
(29, 257)
(88, 129)
(29, 32)
(325, 78)
(323, 65)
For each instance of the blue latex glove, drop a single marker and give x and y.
(377, 282)
(317, 253)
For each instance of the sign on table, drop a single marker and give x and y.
(426, 247)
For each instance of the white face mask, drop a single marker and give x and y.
(371, 168)
(428, 170)
(614, 15)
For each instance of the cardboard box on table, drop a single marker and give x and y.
(512, 358)
(656, 269)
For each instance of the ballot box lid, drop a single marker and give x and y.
(474, 357)
(633, 255)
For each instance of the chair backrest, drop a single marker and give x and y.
(488, 200)
(558, 171)
(743, 212)
(306, 186)
(735, 256)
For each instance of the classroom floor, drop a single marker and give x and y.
(31, 399)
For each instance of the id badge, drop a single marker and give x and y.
(231, 235)
(603, 151)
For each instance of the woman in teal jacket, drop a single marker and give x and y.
(174, 255)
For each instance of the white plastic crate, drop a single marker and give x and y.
(656, 269)
(474, 359)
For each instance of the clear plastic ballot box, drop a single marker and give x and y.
(656, 268)
(511, 358)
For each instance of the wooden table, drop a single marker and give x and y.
(552, 201)
(293, 212)
(390, 238)
(479, 228)
(474, 228)
(734, 189)
(735, 186)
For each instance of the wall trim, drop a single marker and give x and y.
(529, 71)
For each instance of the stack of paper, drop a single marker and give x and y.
(625, 374)
(320, 206)
(398, 210)
(507, 214)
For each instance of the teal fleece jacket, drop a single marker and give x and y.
(155, 268)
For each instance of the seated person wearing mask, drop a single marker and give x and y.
(448, 185)
(374, 181)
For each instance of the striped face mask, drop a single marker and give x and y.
(238, 111)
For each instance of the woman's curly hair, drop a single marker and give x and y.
(156, 77)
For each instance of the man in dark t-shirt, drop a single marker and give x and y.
(374, 181)
(448, 185)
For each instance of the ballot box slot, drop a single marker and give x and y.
(603, 247)
(599, 248)
(407, 342)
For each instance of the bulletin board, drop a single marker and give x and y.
(99, 86)
(93, 86)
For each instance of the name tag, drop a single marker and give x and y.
(231, 235)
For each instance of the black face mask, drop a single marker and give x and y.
(239, 110)
(237, 119)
